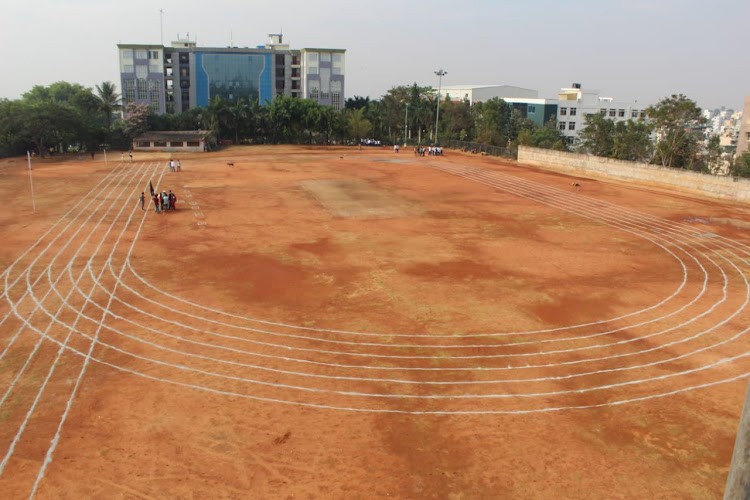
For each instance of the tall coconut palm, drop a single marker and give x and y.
(109, 101)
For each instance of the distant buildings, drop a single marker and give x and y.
(184, 76)
(482, 93)
(526, 101)
(743, 138)
(575, 103)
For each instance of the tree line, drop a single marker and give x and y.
(670, 133)
(65, 117)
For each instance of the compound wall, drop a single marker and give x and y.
(588, 165)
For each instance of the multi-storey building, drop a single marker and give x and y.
(481, 93)
(184, 76)
(575, 103)
(526, 101)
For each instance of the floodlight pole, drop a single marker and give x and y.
(161, 25)
(31, 182)
(440, 73)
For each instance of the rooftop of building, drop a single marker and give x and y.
(174, 135)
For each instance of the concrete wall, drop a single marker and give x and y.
(594, 166)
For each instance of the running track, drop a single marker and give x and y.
(74, 298)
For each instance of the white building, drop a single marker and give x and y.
(482, 93)
(743, 137)
(575, 103)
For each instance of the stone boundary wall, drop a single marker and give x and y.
(723, 187)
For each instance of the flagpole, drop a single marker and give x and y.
(31, 182)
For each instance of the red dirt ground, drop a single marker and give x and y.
(369, 241)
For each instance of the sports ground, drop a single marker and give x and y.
(344, 323)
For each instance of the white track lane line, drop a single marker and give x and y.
(7, 270)
(56, 439)
(28, 270)
(219, 375)
(199, 306)
(126, 190)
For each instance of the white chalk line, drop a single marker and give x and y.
(28, 270)
(402, 381)
(110, 267)
(111, 178)
(108, 179)
(54, 364)
(55, 440)
(424, 335)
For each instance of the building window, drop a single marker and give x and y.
(621, 113)
(603, 112)
(154, 95)
(142, 90)
(160, 144)
(126, 54)
(325, 57)
(314, 93)
(337, 64)
(312, 63)
(279, 59)
(563, 111)
(573, 111)
(192, 144)
(324, 96)
(561, 125)
(129, 90)
(127, 68)
(612, 113)
(141, 54)
(571, 125)
(153, 54)
(143, 144)
(634, 114)
(531, 109)
(336, 100)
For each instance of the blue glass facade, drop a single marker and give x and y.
(233, 76)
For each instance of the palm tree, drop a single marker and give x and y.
(109, 100)
(359, 126)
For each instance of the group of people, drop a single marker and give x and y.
(175, 165)
(430, 150)
(163, 202)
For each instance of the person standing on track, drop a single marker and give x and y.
(143, 200)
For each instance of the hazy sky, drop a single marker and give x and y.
(629, 49)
